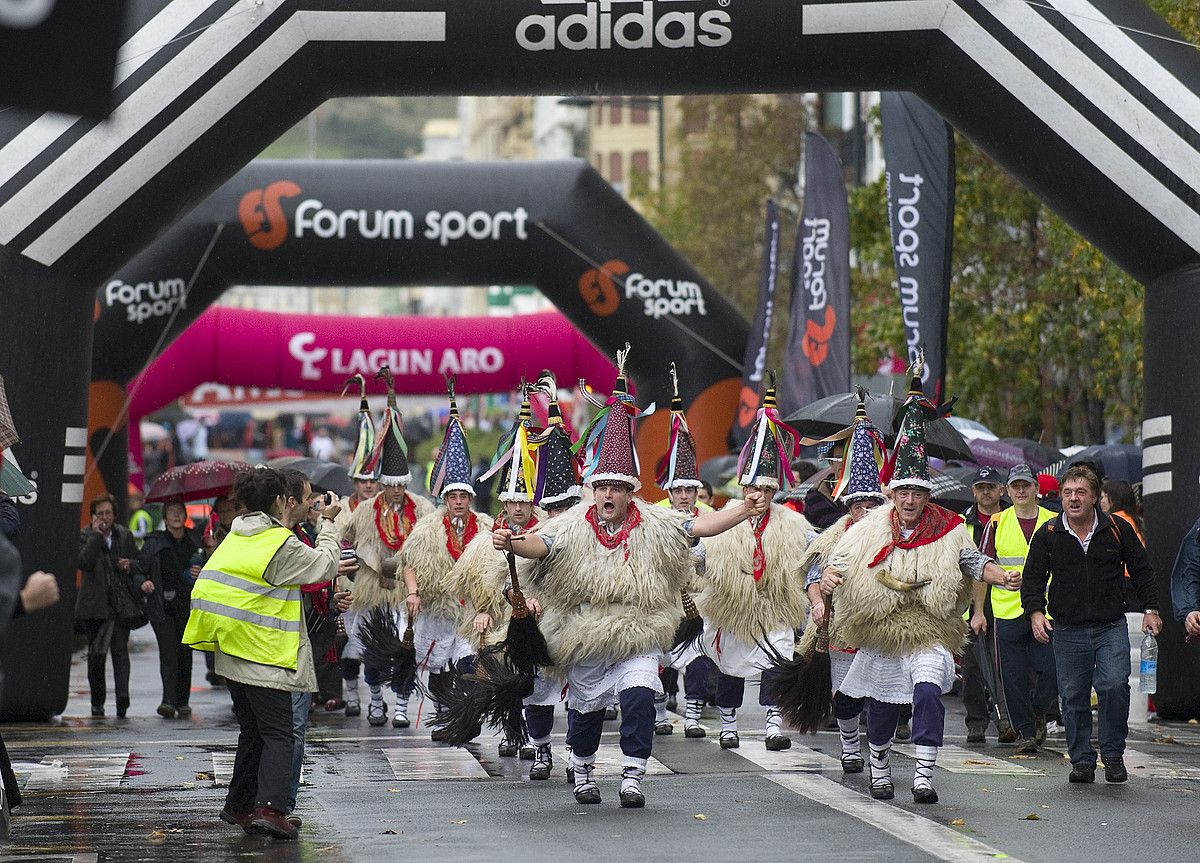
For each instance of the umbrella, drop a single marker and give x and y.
(1037, 455)
(996, 453)
(196, 481)
(8, 431)
(832, 414)
(12, 482)
(948, 490)
(1116, 461)
(986, 655)
(719, 470)
(324, 475)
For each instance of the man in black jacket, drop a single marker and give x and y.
(1087, 553)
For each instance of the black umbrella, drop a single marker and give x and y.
(832, 414)
(984, 650)
(1037, 455)
(324, 475)
(1116, 461)
(948, 490)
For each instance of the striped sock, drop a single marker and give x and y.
(881, 765)
(926, 759)
(850, 736)
(729, 719)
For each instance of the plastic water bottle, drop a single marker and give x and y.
(1149, 678)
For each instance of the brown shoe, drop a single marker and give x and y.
(1007, 734)
(1039, 728)
(1026, 746)
(273, 822)
(238, 819)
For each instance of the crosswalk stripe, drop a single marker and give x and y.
(798, 759)
(73, 772)
(413, 763)
(932, 838)
(222, 763)
(610, 760)
(958, 760)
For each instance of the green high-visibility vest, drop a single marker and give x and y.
(1011, 550)
(235, 609)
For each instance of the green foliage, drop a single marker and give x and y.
(374, 127)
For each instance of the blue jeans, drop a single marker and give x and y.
(300, 703)
(1027, 672)
(1087, 658)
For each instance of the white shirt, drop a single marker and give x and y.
(1087, 540)
(322, 448)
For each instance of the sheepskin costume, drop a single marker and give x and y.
(427, 553)
(607, 605)
(481, 575)
(734, 601)
(872, 609)
(363, 533)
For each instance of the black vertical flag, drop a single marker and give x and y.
(918, 146)
(818, 347)
(755, 361)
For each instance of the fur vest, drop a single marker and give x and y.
(821, 548)
(732, 600)
(601, 605)
(869, 614)
(360, 531)
(481, 575)
(426, 553)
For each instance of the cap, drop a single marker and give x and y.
(988, 475)
(1047, 484)
(1020, 473)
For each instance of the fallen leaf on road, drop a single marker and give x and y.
(1193, 722)
(958, 822)
(464, 821)
(203, 776)
(1032, 816)
(158, 836)
(701, 817)
(1044, 806)
(975, 761)
(178, 757)
(389, 833)
(1166, 738)
(394, 790)
(987, 790)
(1023, 757)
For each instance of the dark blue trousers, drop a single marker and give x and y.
(637, 725)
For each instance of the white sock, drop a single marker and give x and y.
(850, 736)
(660, 709)
(728, 718)
(540, 741)
(774, 726)
(376, 693)
(583, 768)
(926, 759)
(350, 690)
(881, 764)
(693, 710)
(632, 773)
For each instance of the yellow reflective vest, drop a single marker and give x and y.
(235, 609)
(1011, 550)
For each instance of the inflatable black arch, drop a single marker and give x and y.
(549, 224)
(1102, 122)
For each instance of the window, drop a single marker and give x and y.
(616, 168)
(639, 111)
(597, 110)
(598, 163)
(615, 109)
(639, 163)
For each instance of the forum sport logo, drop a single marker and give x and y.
(262, 216)
(630, 24)
(602, 288)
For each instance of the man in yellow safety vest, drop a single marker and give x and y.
(1006, 538)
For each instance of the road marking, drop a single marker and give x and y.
(414, 763)
(958, 760)
(797, 759)
(610, 760)
(932, 838)
(222, 763)
(73, 772)
(1148, 766)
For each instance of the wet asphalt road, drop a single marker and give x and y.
(144, 788)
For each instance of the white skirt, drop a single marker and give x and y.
(736, 658)
(892, 678)
(438, 642)
(594, 686)
(839, 666)
(546, 692)
(351, 620)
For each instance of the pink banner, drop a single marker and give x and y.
(317, 353)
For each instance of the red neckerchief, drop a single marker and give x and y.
(935, 523)
(633, 517)
(302, 535)
(393, 528)
(453, 544)
(760, 559)
(502, 524)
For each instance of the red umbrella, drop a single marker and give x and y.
(196, 481)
